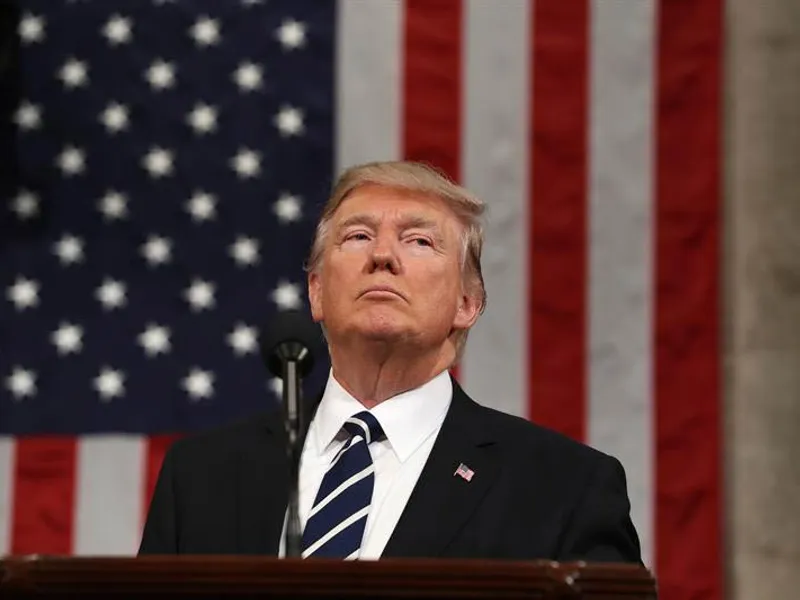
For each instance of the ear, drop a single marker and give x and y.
(468, 311)
(315, 295)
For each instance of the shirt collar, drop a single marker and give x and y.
(407, 418)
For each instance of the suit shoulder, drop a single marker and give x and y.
(222, 441)
(527, 437)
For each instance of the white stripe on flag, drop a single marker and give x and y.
(494, 166)
(108, 504)
(621, 277)
(368, 82)
(6, 492)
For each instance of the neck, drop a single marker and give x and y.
(373, 373)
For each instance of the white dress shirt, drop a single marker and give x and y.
(411, 422)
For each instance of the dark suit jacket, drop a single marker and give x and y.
(534, 494)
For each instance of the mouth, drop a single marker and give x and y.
(381, 291)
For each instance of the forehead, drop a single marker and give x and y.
(382, 203)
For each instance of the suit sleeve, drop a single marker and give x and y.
(160, 529)
(601, 529)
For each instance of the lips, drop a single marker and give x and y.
(382, 288)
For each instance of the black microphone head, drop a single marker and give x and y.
(290, 335)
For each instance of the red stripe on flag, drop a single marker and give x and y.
(686, 338)
(432, 85)
(155, 450)
(558, 245)
(44, 495)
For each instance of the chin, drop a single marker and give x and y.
(382, 331)
(380, 326)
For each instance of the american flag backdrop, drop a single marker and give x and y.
(163, 165)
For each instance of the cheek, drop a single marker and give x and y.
(343, 265)
(337, 286)
(331, 290)
(443, 282)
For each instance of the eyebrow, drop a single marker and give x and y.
(406, 222)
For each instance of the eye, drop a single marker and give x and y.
(357, 236)
(421, 241)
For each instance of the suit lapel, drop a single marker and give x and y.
(262, 486)
(443, 502)
(439, 506)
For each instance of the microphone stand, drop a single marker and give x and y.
(287, 347)
(294, 421)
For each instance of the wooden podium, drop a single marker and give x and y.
(291, 578)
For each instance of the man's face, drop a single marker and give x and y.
(391, 270)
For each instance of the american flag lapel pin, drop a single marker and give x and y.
(464, 472)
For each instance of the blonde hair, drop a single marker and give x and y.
(426, 180)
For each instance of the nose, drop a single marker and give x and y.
(384, 255)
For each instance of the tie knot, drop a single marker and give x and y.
(365, 425)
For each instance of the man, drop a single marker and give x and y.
(398, 460)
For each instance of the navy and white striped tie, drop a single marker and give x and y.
(336, 523)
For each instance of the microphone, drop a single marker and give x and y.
(287, 348)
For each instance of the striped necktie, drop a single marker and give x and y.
(336, 523)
